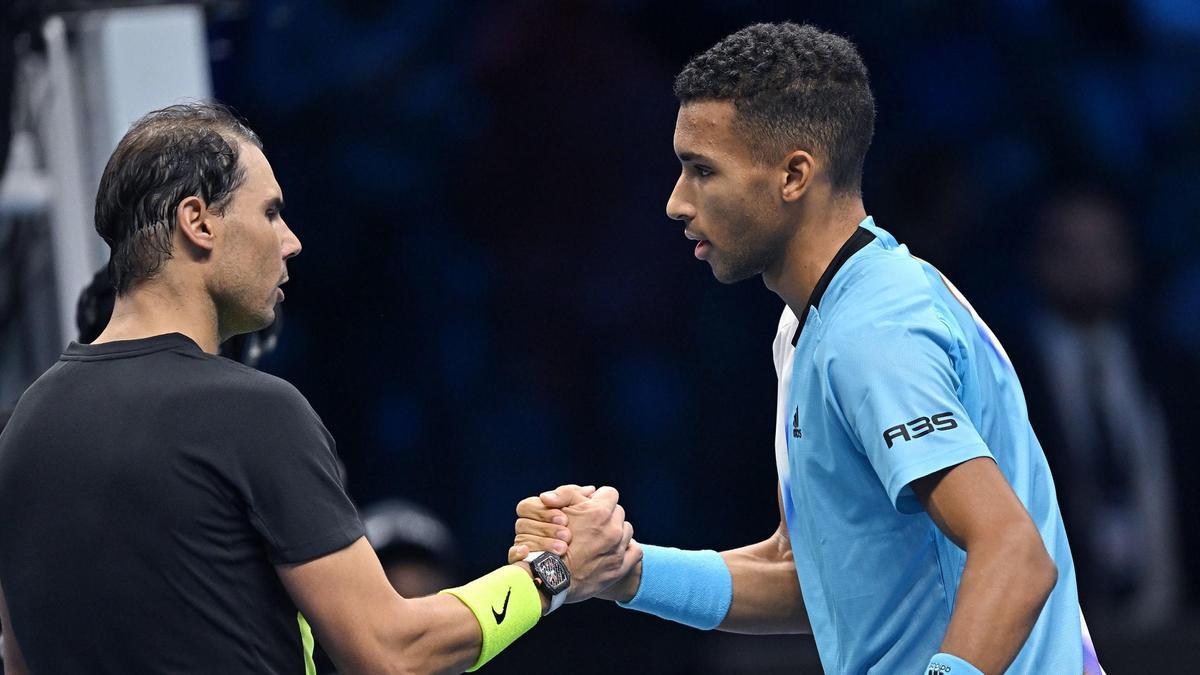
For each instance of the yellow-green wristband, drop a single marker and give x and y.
(506, 603)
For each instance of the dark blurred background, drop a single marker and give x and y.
(491, 301)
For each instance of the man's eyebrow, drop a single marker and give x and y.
(691, 157)
(275, 203)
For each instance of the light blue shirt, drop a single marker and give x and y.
(894, 377)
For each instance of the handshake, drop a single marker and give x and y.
(587, 528)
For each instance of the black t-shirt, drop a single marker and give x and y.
(146, 491)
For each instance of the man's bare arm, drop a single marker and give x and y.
(766, 591)
(14, 661)
(1008, 575)
(367, 627)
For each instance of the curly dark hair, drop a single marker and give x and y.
(792, 87)
(165, 157)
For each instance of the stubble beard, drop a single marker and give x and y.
(733, 271)
(242, 310)
(749, 260)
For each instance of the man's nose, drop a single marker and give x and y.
(291, 243)
(678, 208)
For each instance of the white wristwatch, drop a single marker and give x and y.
(551, 576)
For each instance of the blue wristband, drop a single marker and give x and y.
(948, 664)
(690, 587)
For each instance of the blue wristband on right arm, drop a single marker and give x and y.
(694, 588)
(949, 664)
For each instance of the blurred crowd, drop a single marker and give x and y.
(491, 301)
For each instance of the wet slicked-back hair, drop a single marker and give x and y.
(794, 87)
(168, 155)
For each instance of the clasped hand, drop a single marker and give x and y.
(587, 527)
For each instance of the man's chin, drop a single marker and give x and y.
(259, 321)
(268, 317)
(728, 276)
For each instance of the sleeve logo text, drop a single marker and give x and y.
(922, 426)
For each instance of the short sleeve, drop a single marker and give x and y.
(898, 393)
(292, 480)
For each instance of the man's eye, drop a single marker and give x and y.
(703, 171)
(272, 214)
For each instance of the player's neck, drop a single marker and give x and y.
(823, 231)
(158, 307)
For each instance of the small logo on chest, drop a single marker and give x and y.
(796, 433)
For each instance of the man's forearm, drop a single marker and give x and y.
(436, 634)
(450, 636)
(1004, 585)
(766, 590)
(766, 597)
(367, 627)
(445, 639)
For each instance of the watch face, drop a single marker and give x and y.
(553, 572)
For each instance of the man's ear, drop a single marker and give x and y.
(799, 167)
(194, 222)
